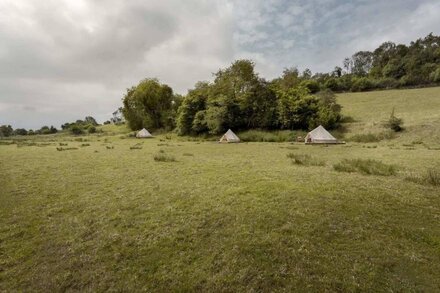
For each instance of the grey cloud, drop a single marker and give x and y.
(61, 60)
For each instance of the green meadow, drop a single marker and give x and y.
(109, 212)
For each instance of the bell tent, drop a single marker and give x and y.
(229, 136)
(143, 134)
(320, 135)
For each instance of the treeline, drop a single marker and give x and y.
(389, 66)
(88, 125)
(7, 130)
(238, 98)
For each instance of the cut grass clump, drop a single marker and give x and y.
(85, 144)
(372, 137)
(65, 149)
(431, 177)
(369, 167)
(137, 146)
(63, 144)
(188, 155)
(109, 147)
(304, 160)
(161, 157)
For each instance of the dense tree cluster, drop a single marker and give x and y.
(389, 66)
(81, 126)
(150, 104)
(239, 99)
(7, 130)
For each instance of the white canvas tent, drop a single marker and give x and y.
(143, 134)
(229, 136)
(320, 135)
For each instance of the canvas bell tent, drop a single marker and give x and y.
(229, 136)
(320, 135)
(143, 134)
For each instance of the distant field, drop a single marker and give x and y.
(102, 214)
(419, 108)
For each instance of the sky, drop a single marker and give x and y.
(62, 60)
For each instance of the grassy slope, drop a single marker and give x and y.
(229, 217)
(419, 108)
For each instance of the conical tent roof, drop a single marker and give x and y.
(143, 133)
(229, 136)
(320, 135)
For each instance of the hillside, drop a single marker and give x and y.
(419, 108)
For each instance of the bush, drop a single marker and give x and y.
(76, 130)
(394, 123)
(161, 157)
(362, 84)
(369, 167)
(304, 160)
(91, 129)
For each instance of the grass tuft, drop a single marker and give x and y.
(369, 167)
(161, 157)
(431, 177)
(304, 160)
(372, 137)
(60, 149)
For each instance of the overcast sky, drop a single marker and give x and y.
(61, 60)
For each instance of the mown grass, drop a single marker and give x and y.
(232, 218)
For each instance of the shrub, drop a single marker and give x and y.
(91, 129)
(362, 84)
(394, 123)
(369, 167)
(76, 130)
(161, 157)
(304, 160)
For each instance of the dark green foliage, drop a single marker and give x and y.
(20, 131)
(91, 129)
(394, 123)
(90, 120)
(6, 130)
(369, 167)
(76, 130)
(150, 104)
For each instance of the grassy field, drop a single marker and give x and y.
(167, 214)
